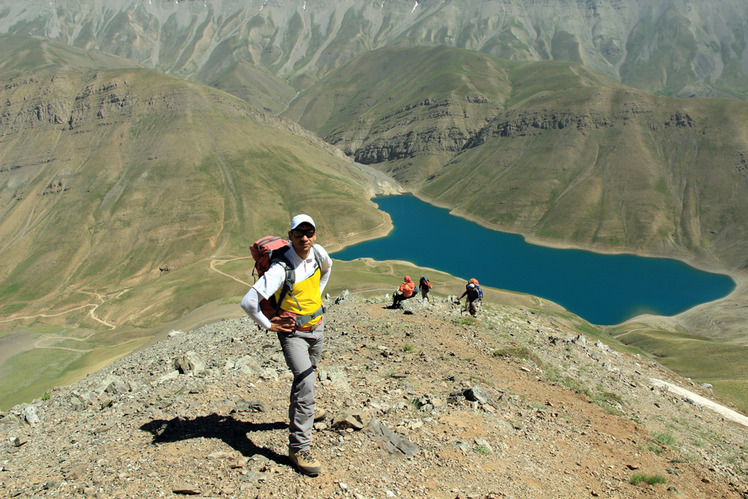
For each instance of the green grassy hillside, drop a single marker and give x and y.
(405, 110)
(111, 178)
(122, 193)
(704, 360)
(128, 198)
(551, 149)
(610, 169)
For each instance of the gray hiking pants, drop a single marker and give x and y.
(302, 351)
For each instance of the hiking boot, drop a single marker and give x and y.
(319, 415)
(305, 462)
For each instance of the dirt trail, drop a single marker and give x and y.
(213, 268)
(91, 313)
(702, 401)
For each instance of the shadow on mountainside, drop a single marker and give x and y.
(232, 431)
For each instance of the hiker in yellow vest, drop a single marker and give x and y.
(300, 327)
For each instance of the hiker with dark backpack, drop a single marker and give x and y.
(474, 295)
(425, 286)
(287, 299)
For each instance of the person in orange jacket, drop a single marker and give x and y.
(407, 290)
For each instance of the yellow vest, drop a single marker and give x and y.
(304, 299)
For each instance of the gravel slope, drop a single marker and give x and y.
(421, 403)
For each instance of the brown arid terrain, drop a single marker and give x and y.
(421, 402)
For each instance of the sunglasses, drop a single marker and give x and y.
(303, 232)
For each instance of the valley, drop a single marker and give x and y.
(144, 147)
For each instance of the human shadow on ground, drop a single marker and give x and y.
(232, 431)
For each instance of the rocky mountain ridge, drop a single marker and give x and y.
(263, 50)
(421, 402)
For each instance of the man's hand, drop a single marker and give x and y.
(282, 325)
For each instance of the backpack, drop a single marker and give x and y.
(474, 281)
(269, 250)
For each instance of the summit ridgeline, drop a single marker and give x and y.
(422, 402)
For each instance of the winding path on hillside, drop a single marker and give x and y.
(48, 341)
(35, 316)
(213, 268)
(102, 299)
(91, 313)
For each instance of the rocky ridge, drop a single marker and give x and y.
(421, 402)
(682, 47)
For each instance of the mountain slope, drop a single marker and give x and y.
(169, 211)
(394, 104)
(551, 150)
(113, 177)
(676, 47)
(612, 169)
(514, 403)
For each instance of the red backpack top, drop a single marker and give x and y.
(265, 250)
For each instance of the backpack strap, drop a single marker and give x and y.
(288, 286)
(287, 283)
(317, 257)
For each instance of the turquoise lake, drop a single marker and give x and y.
(603, 289)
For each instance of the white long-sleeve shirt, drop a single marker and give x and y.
(272, 280)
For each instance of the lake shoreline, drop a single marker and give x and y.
(739, 279)
(684, 257)
(739, 294)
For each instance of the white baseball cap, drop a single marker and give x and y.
(300, 219)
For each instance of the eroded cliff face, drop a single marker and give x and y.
(679, 47)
